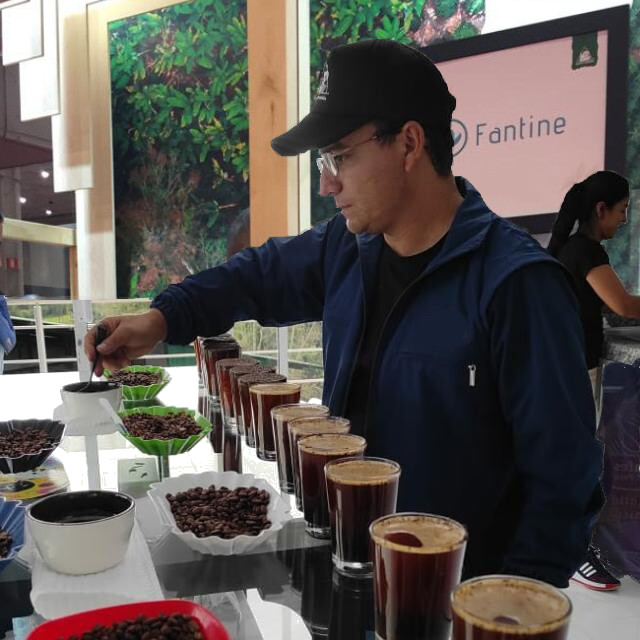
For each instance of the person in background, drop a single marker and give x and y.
(7, 332)
(451, 339)
(599, 206)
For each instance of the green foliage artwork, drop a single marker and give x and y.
(413, 22)
(623, 250)
(180, 141)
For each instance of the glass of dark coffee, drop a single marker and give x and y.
(214, 349)
(303, 427)
(197, 350)
(214, 415)
(264, 397)
(234, 374)
(280, 417)
(509, 608)
(244, 384)
(315, 452)
(359, 490)
(223, 367)
(417, 563)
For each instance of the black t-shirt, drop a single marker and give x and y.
(579, 256)
(395, 274)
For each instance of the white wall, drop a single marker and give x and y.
(507, 14)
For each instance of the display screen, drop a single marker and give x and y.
(539, 108)
(529, 121)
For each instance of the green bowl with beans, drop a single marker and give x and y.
(140, 392)
(163, 431)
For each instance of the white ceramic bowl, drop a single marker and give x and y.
(79, 405)
(278, 512)
(82, 532)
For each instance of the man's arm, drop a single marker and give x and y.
(278, 283)
(538, 356)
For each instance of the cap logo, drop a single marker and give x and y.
(323, 89)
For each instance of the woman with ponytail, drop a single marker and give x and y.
(599, 207)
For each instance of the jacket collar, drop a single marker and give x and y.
(466, 234)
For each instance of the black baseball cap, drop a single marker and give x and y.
(365, 81)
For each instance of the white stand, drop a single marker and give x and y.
(93, 461)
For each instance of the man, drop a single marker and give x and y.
(7, 332)
(451, 339)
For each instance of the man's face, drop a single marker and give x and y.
(369, 186)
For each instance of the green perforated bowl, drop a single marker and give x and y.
(166, 447)
(142, 392)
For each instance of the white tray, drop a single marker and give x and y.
(278, 512)
(99, 426)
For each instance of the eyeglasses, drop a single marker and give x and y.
(333, 161)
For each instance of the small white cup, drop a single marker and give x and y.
(85, 405)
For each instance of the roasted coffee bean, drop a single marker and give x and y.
(19, 443)
(221, 512)
(150, 427)
(173, 627)
(5, 543)
(135, 379)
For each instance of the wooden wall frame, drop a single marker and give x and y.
(273, 107)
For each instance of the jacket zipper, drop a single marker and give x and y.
(374, 366)
(472, 374)
(355, 360)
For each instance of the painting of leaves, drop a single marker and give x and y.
(624, 249)
(416, 23)
(180, 141)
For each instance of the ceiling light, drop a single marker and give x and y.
(45, 174)
(23, 200)
(48, 212)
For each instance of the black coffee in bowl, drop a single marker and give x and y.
(96, 386)
(5, 543)
(81, 506)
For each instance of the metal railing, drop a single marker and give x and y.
(82, 313)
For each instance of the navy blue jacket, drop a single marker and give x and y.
(480, 388)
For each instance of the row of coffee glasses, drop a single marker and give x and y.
(415, 559)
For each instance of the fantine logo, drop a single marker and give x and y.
(460, 136)
(323, 89)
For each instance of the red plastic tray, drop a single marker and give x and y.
(210, 626)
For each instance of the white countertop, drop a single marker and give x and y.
(597, 616)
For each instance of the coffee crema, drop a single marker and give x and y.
(362, 472)
(418, 533)
(290, 412)
(277, 389)
(511, 605)
(334, 443)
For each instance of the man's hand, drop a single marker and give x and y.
(129, 337)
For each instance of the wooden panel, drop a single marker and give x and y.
(22, 32)
(73, 272)
(94, 207)
(36, 232)
(71, 130)
(273, 108)
(39, 86)
(5, 4)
